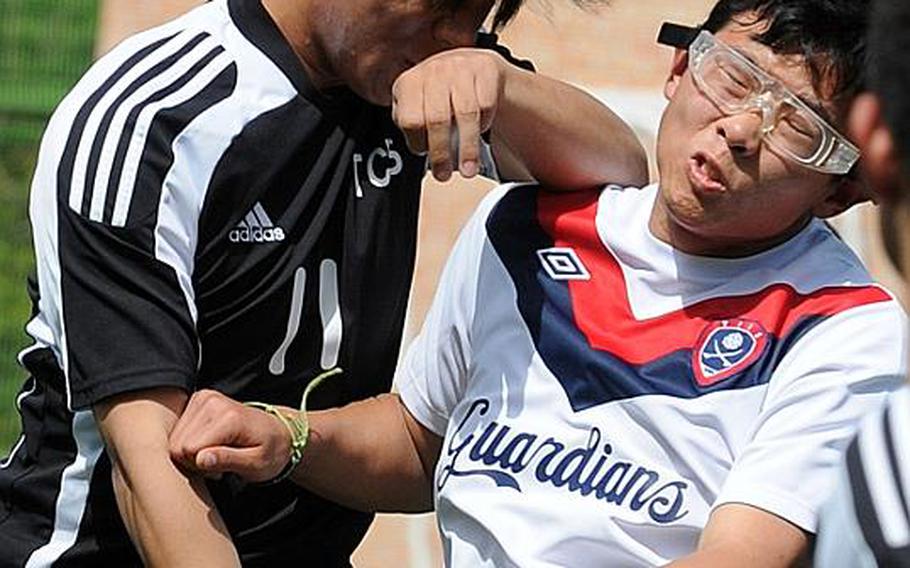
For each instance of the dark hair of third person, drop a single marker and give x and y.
(889, 75)
(830, 34)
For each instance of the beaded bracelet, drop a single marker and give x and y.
(297, 424)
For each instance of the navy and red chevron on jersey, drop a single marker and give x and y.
(582, 327)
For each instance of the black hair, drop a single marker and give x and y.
(506, 9)
(889, 69)
(830, 34)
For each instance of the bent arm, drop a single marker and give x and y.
(742, 536)
(561, 136)
(170, 517)
(371, 455)
(541, 129)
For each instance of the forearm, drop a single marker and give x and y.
(371, 456)
(742, 536)
(170, 517)
(737, 557)
(564, 137)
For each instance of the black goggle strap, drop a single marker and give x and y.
(678, 36)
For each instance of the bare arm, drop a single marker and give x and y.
(542, 129)
(557, 134)
(741, 536)
(370, 455)
(169, 516)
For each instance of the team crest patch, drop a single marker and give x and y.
(725, 348)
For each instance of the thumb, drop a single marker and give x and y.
(242, 461)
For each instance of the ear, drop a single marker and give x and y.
(677, 68)
(879, 164)
(847, 191)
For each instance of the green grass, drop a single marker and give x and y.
(45, 45)
(16, 162)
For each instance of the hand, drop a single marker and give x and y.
(462, 84)
(217, 434)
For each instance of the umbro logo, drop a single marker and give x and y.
(562, 263)
(256, 227)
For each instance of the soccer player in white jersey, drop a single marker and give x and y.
(228, 201)
(635, 377)
(867, 521)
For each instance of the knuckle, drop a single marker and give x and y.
(410, 120)
(439, 120)
(439, 152)
(468, 113)
(412, 127)
(231, 414)
(469, 151)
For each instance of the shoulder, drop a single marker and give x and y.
(534, 202)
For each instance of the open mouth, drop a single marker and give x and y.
(705, 174)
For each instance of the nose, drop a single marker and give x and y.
(451, 32)
(742, 132)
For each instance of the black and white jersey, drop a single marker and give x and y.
(203, 218)
(867, 522)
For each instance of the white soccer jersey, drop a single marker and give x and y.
(600, 392)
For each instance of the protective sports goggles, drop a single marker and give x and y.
(737, 85)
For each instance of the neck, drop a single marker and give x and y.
(666, 229)
(300, 22)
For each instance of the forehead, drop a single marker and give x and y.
(790, 69)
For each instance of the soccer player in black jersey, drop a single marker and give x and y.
(867, 522)
(229, 201)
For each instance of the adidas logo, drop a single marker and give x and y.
(256, 227)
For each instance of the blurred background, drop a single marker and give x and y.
(45, 45)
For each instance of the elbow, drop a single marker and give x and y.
(637, 168)
(631, 167)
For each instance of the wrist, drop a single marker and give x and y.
(296, 424)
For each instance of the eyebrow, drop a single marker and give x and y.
(815, 106)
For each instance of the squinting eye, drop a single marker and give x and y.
(736, 80)
(798, 124)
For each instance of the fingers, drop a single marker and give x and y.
(245, 462)
(407, 112)
(444, 104)
(466, 109)
(195, 430)
(438, 112)
(213, 424)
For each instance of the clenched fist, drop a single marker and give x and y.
(216, 435)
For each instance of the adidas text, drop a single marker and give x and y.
(256, 235)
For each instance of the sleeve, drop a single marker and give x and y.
(486, 40)
(490, 41)
(834, 375)
(867, 520)
(433, 376)
(840, 538)
(115, 208)
(127, 313)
